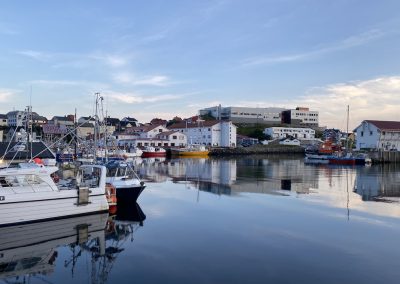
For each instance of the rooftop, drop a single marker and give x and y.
(385, 125)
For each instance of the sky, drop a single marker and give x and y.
(162, 59)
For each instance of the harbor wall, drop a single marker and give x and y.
(257, 149)
(385, 157)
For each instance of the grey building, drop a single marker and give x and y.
(250, 115)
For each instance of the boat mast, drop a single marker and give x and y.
(347, 129)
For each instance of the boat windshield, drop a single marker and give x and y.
(24, 183)
(117, 172)
(89, 177)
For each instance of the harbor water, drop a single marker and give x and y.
(261, 219)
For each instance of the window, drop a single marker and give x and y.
(370, 133)
(174, 137)
(362, 133)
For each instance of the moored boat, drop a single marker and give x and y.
(150, 151)
(191, 151)
(316, 159)
(29, 194)
(126, 182)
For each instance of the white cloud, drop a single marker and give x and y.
(6, 95)
(130, 98)
(375, 99)
(378, 98)
(112, 60)
(352, 41)
(131, 79)
(37, 55)
(58, 83)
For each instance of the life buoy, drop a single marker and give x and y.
(111, 194)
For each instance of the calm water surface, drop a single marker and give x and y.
(245, 220)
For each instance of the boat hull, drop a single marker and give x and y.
(191, 153)
(54, 207)
(342, 161)
(153, 154)
(129, 195)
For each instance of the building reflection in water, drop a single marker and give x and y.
(378, 183)
(30, 252)
(272, 174)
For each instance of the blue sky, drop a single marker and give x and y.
(166, 58)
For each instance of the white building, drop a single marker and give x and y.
(271, 115)
(301, 116)
(63, 120)
(377, 134)
(290, 141)
(175, 138)
(16, 118)
(212, 133)
(147, 131)
(3, 120)
(283, 132)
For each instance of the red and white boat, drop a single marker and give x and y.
(153, 152)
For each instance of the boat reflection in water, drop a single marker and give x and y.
(29, 252)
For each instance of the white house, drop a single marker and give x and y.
(289, 141)
(283, 132)
(175, 138)
(378, 134)
(16, 118)
(212, 133)
(3, 120)
(147, 131)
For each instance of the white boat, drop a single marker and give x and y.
(128, 185)
(29, 194)
(316, 159)
(132, 153)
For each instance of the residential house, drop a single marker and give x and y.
(128, 122)
(175, 138)
(3, 120)
(86, 119)
(147, 131)
(16, 118)
(85, 129)
(38, 119)
(212, 133)
(66, 121)
(378, 135)
(158, 121)
(290, 140)
(245, 140)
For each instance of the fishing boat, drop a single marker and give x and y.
(193, 150)
(316, 159)
(150, 151)
(127, 183)
(29, 194)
